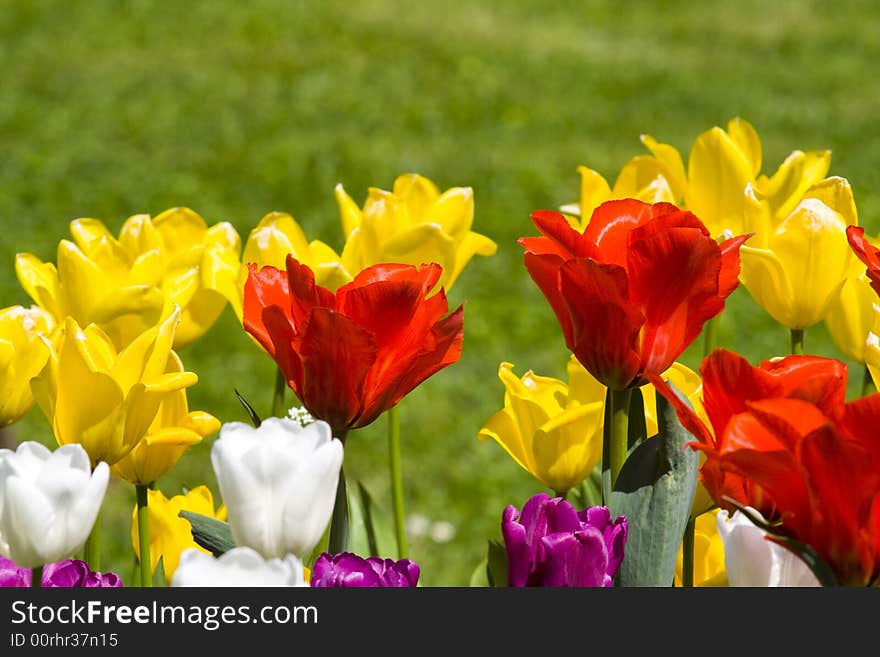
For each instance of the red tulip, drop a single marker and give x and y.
(866, 252)
(784, 441)
(634, 289)
(351, 355)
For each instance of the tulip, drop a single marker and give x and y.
(105, 400)
(551, 429)
(412, 224)
(785, 442)
(866, 252)
(633, 290)
(278, 482)
(124, 284)
(752, 560)
(347, 570)
(350, 356)
(23, 353)
(851, 317)
(795, 269)
(240, 566)
(70, 573)
(48, 502)
(171, 534)
(174, 430)
(551, 544)
(708, 553)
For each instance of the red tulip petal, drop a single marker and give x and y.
(558, 237)
(788, 421)
(820, 381)
(544, 270)
(865, 252)
(304, 294)
(426, 275)
(728, 279)
(860, 421)
(336, 356)
(604, 324)
(282, 346)
(611, 224)
(263, 288)
(673, 276)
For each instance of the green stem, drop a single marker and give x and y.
(278, 395)
(797, 341)
(709, 331)
(37, 577)
(397, 481)
(143, 514)
(339, 521)
(868, 386)
(92, 550)
(687, 548)
(619, 430)
(563, 494)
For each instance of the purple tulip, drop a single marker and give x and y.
(551, 544)
(70, 573)
(347, 570)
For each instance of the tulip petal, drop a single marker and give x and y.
(453, 211)
(611, 225)
(798, 173)
(40, 280)
(265, 288)
(180, 229)
(348, 211)
(743, 134)
(673, 166)
(594, 191)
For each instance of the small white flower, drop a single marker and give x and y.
(752, 560)
(300, 415)
(48, 502)
(240, 566)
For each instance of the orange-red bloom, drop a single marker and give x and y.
(350, 356)
(867, 253)
(634, 289)
(784, 441)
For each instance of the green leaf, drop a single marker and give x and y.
(212, 534)
(480, 576)
(807, 554)
(159, 575)
(496, 563)
(655, 490)
(371, 533)
(252, 414)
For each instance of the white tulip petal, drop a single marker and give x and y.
(241, 566)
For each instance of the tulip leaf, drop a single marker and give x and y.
(655, 490)
(252, 414)
(496, 563)
(159, 576)
(371, 533)
(212, 534)
(807, 554)
(636, 435)
(480, 576)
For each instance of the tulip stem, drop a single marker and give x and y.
(37, 577)
(687, 559)
(868, 386)
(278, 395)
(92, 551)
(143, 514)
(338, 541)
(797, 341)
(396, 481)
(619, 400)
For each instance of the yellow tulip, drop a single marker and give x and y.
(125, 285)
(551, 429)
(103, 399)
(851, 317)
(720, 165)
(795, 268)
(412, 224)
(169, 533)
(277, 235)
(23, 354)
(709, 569)
(174, 430)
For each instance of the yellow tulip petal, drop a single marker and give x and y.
(568, 446)
(454, 211)
(277, 235)
(101, 247)
(328, 267)
(673, 166)
(40, 280)
(220, 273)
(180, 229)
(173, 437)
(422, 244)
(473, 244)
(223, 236)
(416, 192)
(199, 315)
(743, 134)
(836, 193)
(503, 429)
(147, 269)
(762, 273)
(139, 236)
(595, 190)
(800, 171)
(851, 316)
(640, 172)
(349, 211)
(583, 387)
(204, 424)
(143, 301)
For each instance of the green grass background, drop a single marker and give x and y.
(112, 108)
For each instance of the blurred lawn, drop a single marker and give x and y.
(114, 108)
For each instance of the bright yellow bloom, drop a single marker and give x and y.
(709, 569)
(413, 224)
(720, 165)
(173, 431)
(550, 428)
(125, 285)
(23, 353)
(851, 317)
(103, 399)
(277, 235)
(796, 268)
(169, 533)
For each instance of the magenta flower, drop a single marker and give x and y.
(347, 570)
(551, 544)
(70, 573)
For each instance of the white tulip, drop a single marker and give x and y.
(278, 483)
(48, 502)
(240, 566)
(752, 560)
